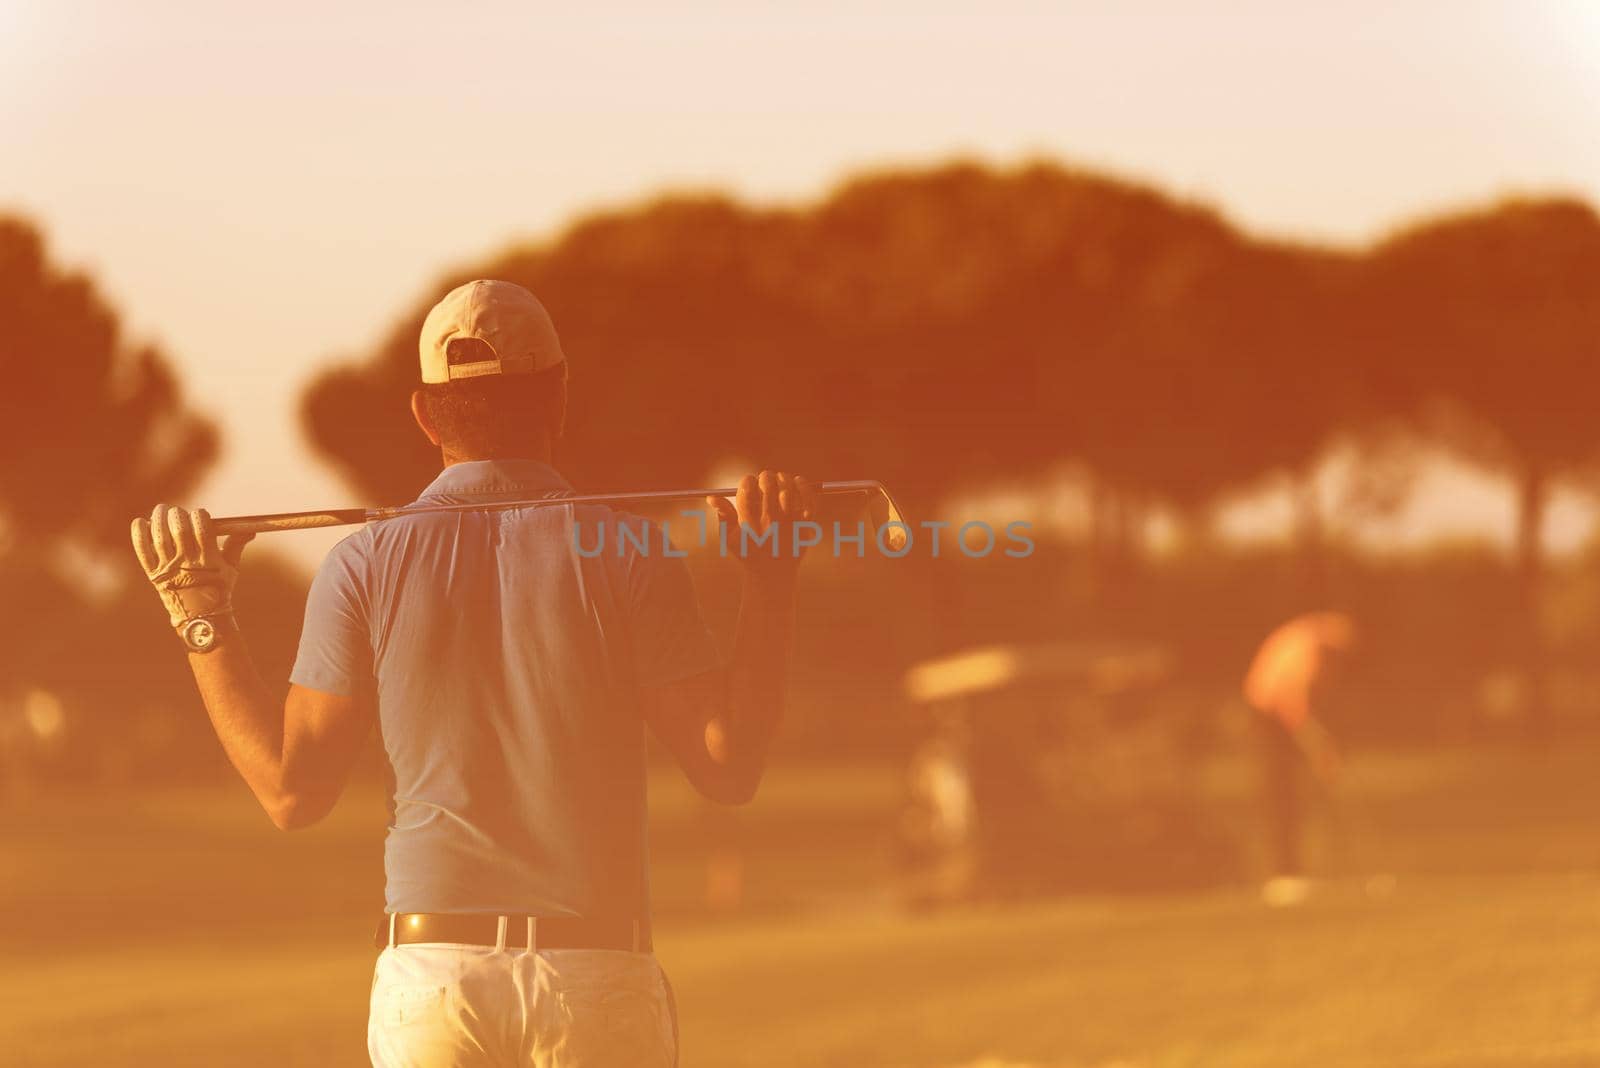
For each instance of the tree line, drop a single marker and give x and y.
(949, 326)
(937, 329)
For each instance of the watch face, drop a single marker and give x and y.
(200, 635)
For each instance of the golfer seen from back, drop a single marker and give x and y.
(511, 680)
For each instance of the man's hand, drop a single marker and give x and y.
(1321, 751)
(768, 504)
(1328, 765)
(192, 572)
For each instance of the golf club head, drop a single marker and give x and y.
(866, 503)
(884, 512)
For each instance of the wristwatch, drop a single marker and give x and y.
(201, 634)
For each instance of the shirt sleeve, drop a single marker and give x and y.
(335, 654)
(670, 639)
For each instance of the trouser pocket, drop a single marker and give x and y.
(418, 1016)
(607, 1025)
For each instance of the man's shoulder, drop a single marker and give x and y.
(349, 554)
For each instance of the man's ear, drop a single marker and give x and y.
(419, 412)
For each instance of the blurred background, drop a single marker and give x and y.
(1248, 309)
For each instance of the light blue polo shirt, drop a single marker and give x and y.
(507, 666)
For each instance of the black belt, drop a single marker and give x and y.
(549, 932)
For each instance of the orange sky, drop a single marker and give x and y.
(261, 191)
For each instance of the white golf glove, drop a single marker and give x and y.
(180, 555)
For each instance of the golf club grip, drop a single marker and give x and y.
(263, 524)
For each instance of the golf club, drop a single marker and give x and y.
(881, 505)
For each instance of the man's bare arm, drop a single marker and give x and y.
(719, 725)
(294, 756)
(1317, 745)
(1311, 735)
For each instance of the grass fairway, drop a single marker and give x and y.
(1462, 973)
(179, 930)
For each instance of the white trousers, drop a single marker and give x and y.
(438, 1005)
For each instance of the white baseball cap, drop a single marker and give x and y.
(487, 327)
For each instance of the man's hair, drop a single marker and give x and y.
(497, 417)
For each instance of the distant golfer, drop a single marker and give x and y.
(511, 677)
(1286, 685)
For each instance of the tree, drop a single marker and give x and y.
(1495, 315)
(936, 329)
(95, 432)
(1240, 374)
(952, 325)
(662, 313)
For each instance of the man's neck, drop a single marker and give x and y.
(450, 458)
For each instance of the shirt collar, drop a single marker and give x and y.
(496, 478)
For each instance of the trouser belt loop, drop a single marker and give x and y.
(500, 934)
(636, 936)
(392, 918)
(533, 934)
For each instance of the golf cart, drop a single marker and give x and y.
(1051, 768)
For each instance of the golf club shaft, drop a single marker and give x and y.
(337, 517)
